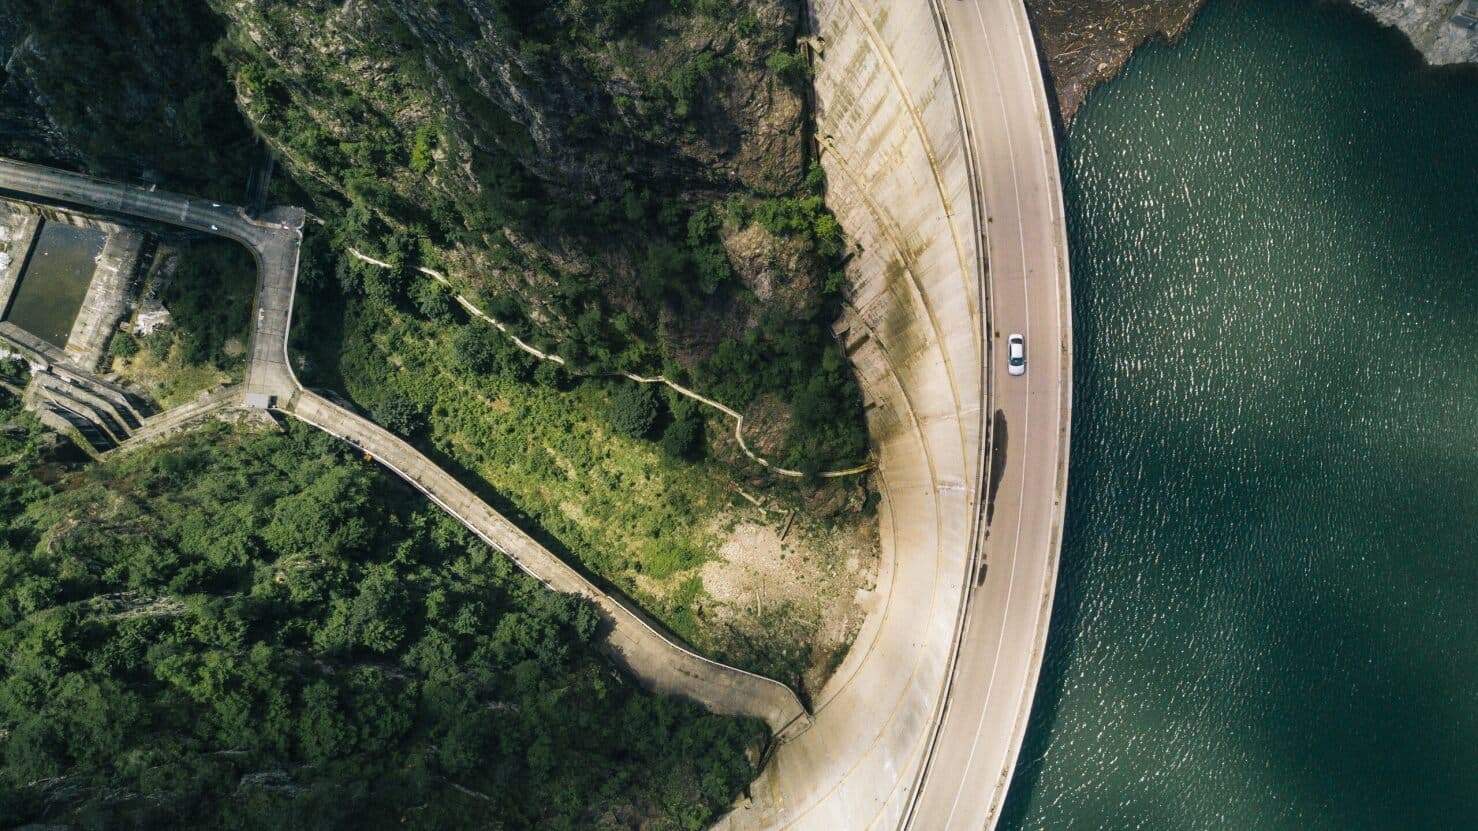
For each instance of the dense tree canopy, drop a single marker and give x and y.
(263, 631)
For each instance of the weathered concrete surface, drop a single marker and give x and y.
(110, 416)
(898, 176)
(106, 301)
(921, 726)
(170, 422)
(45, 358)
(19, 238)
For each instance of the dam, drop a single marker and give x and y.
(932, 125)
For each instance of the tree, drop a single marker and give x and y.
(552, 375)
(633, 410)
(433, 300)
(475, 349)
(399, 415)
(123, 345)
(682, 438)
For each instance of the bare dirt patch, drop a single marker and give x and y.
(798, 594)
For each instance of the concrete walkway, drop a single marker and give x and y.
(657, 661)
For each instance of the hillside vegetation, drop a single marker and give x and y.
(626, 184)
(617, 477)
(260, 631)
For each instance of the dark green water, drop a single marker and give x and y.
(1267, 616)
(51, 291)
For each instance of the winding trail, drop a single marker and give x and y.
(657, 661)
(738, 417)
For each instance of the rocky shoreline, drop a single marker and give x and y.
(1087, 42)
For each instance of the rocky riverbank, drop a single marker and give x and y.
(1086, 42)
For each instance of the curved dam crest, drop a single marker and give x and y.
(933, 125)
(899, 180)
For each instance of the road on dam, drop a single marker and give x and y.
(660, 663)
(939, 153)
(1005, 627)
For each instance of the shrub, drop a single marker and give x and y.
(159, 341)
(680, 439)
(423, 145)
(398, 415)
(123, 345)
(552, 375)
(788, 66)
(433, 300)
(633, 410)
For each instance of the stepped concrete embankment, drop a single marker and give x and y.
(899, 180)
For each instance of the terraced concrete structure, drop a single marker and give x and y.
(899, 181)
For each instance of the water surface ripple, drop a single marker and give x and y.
(1267, 616)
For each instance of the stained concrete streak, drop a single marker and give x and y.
(899, 180)
(939, 155)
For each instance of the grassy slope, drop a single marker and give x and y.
(627, 511)
(209, 296)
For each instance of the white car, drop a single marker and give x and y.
(1016, 355)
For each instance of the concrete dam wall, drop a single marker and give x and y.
(899, 179)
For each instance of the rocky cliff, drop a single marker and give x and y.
(1444, 31)
(538, 148)
(124, 89)
(625, 182)
(1086, 42)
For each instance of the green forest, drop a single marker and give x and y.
(257, 629)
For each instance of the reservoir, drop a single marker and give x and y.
(1267, 611)
(51, 290)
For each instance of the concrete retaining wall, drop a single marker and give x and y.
(21, 231)
(107, 298)
(898, 178)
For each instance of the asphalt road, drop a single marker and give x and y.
(273, 239)
(1000, 648)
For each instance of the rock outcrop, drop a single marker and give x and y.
(129, 90)
(1444, 31)
(1087, 42)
